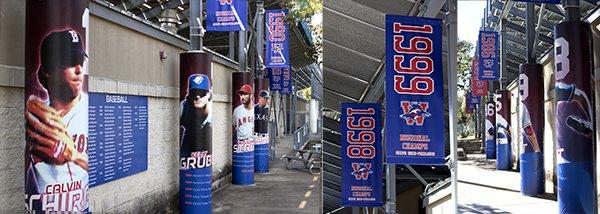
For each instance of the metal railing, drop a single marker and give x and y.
(301, 137)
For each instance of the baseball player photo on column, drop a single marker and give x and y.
(56, 106)
(195, 125)
(261, 126)
(243, 129)
(574, 118)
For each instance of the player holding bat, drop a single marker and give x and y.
(56, 129)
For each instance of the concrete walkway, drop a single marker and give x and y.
(280, 191)
(483, 189)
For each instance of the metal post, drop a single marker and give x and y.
(231, 39)
(242, 51)
(572, 10)
(260, 26)
(390, 188)
(530, 20)
(196, 29)
(452, 95)
(503, 46)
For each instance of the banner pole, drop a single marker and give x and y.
(390, 187)
(196, 29)
(452, 96)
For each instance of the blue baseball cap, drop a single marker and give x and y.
(199, 81)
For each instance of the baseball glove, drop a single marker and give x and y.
(47, 136)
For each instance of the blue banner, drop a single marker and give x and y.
(471, 101)
(277, 45)
(275, 78)
(414, 91)
(118, 143)
(280, 79)
(488, 54)
(286, 78)
(226, 15)
(361, 154)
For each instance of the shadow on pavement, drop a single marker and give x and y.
(478, 208)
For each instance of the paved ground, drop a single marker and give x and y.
(483, 189)
(280, 191)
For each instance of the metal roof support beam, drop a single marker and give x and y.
(521, 14)
(521, 29)
(127, 5)
(431, 8)
(530, 29)
(537, 32)
(167, 5)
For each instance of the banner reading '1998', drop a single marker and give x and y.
(361, 154)
(414, 91)
(277, 46)
(226, 15)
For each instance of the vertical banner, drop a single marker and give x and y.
(414, 91)
(226, 15)
(361, 151)
(277, 45)
(574, 117)
(489, 67)
(243, 128)
(503, 135)
(478, 87)
(490, 129)
(531, 89)
(275, 78)
(56, 106)
(261, 125)
(286, 81)
(195, 125)
(471, 103)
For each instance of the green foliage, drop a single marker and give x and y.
(464, 77)
(304, 10)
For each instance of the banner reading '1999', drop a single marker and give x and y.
(361, 155)
(277, 46)
(414, 91)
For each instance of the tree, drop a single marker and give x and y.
(304, 10)
(465, 59)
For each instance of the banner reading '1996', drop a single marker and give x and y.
(414, 91)
(361, 154)
(277, 45)
(226, 15)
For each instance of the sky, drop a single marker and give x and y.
(470, 14)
